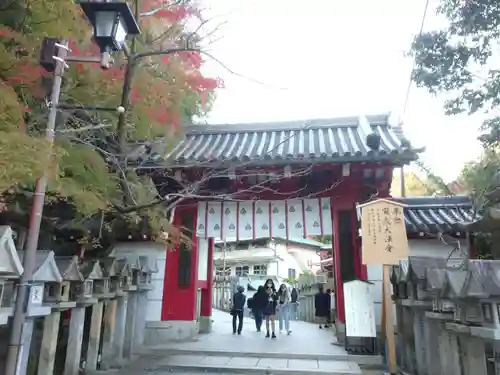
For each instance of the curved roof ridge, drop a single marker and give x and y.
(425, 201)
(302, 124)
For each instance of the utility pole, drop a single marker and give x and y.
(402, 181)
(226, 282)
(22, 325)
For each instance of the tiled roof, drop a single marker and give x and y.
(323, 140)
(438, 214)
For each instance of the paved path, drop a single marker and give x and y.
(308, 350)
(306, 339)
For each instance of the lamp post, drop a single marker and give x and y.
(112, 22)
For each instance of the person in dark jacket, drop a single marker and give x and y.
(270, 309)
(259, 302)
(321, 306)
(294, 303)
(237, 309)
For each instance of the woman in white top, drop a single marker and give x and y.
(284, 308)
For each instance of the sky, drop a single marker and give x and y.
(296, 59)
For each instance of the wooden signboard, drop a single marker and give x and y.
(383, 232)
(384, 242)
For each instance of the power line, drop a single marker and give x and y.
(408, 89)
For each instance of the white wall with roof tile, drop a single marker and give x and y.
(284, 257)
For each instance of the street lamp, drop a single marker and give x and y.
(112, 22)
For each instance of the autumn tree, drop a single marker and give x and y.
(427, 183)
(457, 60)
(96, 153)
(415, 186)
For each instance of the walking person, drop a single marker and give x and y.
(237, 309)
(284, 308)
(259, 302)
(270, 309)
(294, 305)
(321, 307)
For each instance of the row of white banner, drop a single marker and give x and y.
(295, 218)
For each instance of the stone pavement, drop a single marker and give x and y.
(306, 338)
(308, 350)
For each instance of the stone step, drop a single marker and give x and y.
(364, 361)
(239, 364)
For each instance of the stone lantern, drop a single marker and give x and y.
(70, 271)
(125, 272)
(46, 283)
(436, 283)
(486, 273)
(91, 271)
(136, 269)
(148, 267)
(10, 270)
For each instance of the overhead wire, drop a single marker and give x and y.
(408, 88)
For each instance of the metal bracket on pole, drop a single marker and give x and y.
(83, 59)
(61, 61)
(105, 60)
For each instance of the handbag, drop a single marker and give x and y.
(232, 312)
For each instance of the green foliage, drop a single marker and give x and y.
(25, 163)
(479, 177)
(323, 239)
(460, 60)
(454, 60)
(85, 178)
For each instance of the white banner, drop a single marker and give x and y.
(261, 214)
(201, 220)
(292, 219)
(295, 218)
(278, 219)
(313, 222)
(230, 220)
(214, 219)
(326, 216)
(245, 220)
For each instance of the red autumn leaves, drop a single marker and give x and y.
(25, 72)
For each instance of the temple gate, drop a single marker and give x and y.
(287, 179)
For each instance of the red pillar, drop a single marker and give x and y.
(206, 293)
(179, 301)
(359, 267)
(339, 292)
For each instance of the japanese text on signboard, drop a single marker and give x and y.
(383, 231)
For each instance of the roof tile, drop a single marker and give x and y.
(438, 214)
(322, 140)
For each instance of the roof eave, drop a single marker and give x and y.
(405, 157)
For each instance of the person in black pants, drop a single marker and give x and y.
(322, 306)
(259, 302)
(237, 310)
